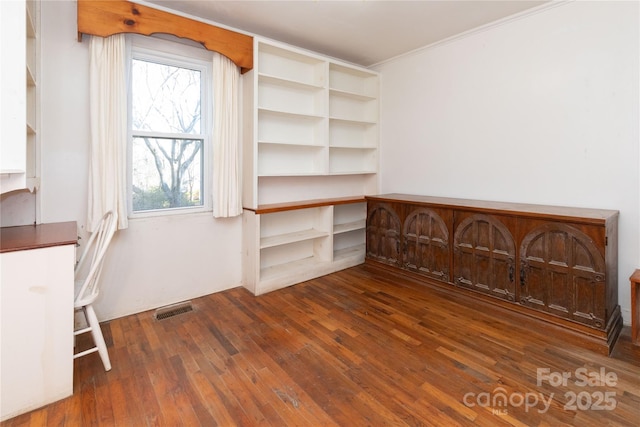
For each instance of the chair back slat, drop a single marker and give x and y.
(93, 258)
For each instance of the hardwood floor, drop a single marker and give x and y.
(360, 347)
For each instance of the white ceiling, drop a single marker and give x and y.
(358, 31)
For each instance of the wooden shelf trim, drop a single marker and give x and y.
(106, 18)
(557, 213)
(304, 204)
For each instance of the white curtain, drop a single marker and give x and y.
(108, 116)
(226, 138)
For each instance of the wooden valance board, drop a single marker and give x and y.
(106, 18)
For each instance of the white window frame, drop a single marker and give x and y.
(184, 56)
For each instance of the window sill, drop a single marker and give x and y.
(178, 212)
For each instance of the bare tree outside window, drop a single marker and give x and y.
(167, 147)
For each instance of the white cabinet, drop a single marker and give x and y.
(309, 121)
(310, 156)
(36, 315)
(290, 243)
(19, 56)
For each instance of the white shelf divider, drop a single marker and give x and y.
(296, 236)
(349, 226)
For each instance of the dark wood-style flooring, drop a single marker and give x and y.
(362, 347)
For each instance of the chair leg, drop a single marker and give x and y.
(97, 336)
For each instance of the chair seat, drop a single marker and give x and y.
(87, 299)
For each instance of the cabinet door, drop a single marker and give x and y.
(383, 234)
(36, 348)
(562, 271)
(484, 255)
(426, 244)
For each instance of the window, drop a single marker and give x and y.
(169, 131)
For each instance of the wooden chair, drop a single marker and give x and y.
(87, 288)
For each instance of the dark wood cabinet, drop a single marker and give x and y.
(484, 254)
(425, 243)
(553, 263)
(383, 234)
(562, 271)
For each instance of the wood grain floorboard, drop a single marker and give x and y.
(361, 347)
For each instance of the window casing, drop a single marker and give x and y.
(170, 121)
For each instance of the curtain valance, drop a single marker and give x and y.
(106, 18)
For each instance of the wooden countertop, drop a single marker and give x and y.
(596, 216)
(26, 237)
(304, 204)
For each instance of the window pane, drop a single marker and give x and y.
(165, 98)
(167, 173)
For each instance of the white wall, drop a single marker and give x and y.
(156, 261)
(539, 109)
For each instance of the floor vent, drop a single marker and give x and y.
(173, 310)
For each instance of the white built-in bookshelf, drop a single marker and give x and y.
(353, 121)
(307, 116)
(290, 243)
(310, 155)
(33, 80)
(19, 32)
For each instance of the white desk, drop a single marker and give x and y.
(36, 315)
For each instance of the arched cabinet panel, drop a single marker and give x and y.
(426, 244)
(383, 235)
(484, 256)
(563, 272)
